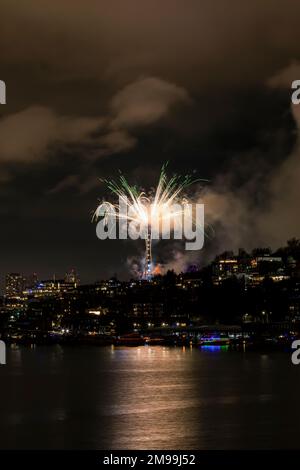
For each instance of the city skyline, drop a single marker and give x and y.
(289, 253)
(246, 296)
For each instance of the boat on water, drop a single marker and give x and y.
(154, 340)
(212, 340)
(130, 339)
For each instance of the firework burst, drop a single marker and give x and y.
(151, 212)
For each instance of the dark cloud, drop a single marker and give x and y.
(96, 86)
(27, 135)
(145, 102)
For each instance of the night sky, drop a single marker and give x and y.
(96, 86)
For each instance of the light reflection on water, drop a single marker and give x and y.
(148, 398)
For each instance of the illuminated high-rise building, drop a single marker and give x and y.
(71, 278)
(14, 285)
(32, 281)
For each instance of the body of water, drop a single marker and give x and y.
(148, 398)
